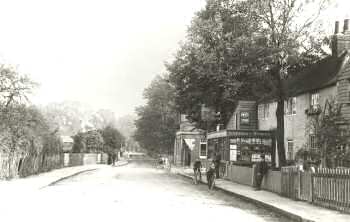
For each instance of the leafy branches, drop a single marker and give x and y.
(156, 123)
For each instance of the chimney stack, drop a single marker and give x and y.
(346, 26)
(336, 28)
(341, 40)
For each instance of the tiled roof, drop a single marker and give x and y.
(317, 76)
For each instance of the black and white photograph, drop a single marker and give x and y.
(175, 110)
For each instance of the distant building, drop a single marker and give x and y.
(67, 143)
(190, 143)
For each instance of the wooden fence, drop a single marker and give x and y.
(325, 187)
(290, 182)
(331, 188)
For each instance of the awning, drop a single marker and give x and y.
(190, 143)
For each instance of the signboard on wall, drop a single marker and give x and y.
(244, 118)
(256, 157)
(233, 152)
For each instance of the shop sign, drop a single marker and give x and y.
(256, 157)
(252, 134)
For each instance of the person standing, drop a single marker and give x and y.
(261, 168)
(217, 164)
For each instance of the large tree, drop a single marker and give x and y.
(292, 39)
(156, 123)
(210, 67)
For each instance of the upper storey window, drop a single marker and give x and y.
(290, 105)
(315, 97)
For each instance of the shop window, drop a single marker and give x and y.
(290, 106)
(290, 149)
(203, 150)
(245, 120)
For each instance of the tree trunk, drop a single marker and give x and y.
(280, 133)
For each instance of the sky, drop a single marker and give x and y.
(98, 52)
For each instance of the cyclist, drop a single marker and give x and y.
(211, 176)
(197, 170)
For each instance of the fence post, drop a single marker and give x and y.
(299, 185)
(312, 187)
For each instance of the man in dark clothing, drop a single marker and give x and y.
(197, 168)
(217, 165)
(261, 170)
(211, 176)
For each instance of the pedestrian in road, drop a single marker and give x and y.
(261, 170)
(197, 169)
(114, 157)
(211, 176)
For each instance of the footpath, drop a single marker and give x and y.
(296, 210)
(42, 180)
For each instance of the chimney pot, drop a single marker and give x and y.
(346, 25)
(336, 28)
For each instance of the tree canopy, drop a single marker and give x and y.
(156, 123)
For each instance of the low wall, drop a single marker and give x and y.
(239, 174)
(78, 159)
(244, 175)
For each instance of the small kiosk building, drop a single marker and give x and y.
(241, 142)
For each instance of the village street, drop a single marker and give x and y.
(129, 193)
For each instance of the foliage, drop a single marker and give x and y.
(113, 139)
(14, 87)
(78, 144)
(93, 141)
(156, 123)
(126, 125)
(20, 127)
(330, 134)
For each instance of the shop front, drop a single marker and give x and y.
(241, 147)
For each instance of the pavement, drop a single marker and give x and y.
(42, 180)
(296, 210)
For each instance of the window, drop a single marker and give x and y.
(266, 111)
(290, 105)
(290, 147)
(245, 118)
(315, 100)
(203, 150)
(313, 144)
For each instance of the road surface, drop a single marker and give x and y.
(131, 193)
